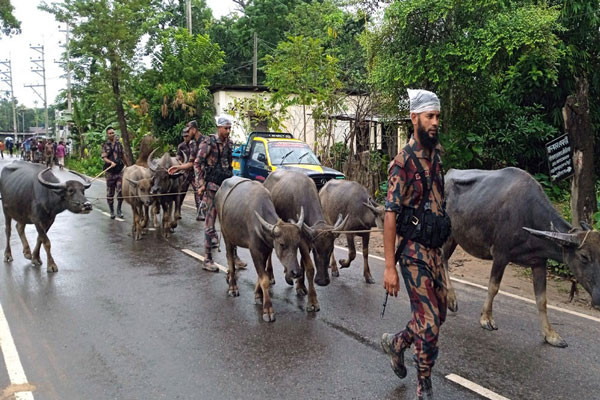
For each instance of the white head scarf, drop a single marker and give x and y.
(223, 120)
(423, 100)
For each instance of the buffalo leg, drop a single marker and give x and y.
(333, 265)
(43, 238)
(270, 269)
(233, 290)
(23, 237)
(304, 259)
(35, 258)
(263, 283)
(146, 216)
(155, 212)
(351, 251)
(137, 223)
(539, 287)
(487, 319)
(447, 250)
(166, 224)
(309, 268)
(366, 271)
(7, 250)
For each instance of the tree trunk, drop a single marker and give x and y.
(121, 115)
(576, 114)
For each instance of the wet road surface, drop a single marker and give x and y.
(140, 320)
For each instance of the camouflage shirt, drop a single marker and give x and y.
(187, 151)
(111, 151)
(208, 156)
(405, 188)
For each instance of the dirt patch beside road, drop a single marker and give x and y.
(516, 279)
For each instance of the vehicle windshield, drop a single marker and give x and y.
(291, 153)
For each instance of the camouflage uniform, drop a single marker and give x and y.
(113, 180)
(188, 150)
(207, 157)
(421, 267)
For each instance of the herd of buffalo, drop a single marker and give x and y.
(502, 215)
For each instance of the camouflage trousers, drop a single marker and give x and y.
(424, 281)
(211, 240)
(186, 185)
(113, 184)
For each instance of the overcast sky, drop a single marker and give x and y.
(40, 28)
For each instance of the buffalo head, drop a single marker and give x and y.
(581, 253)
(141, 189)
(162, 181)
(285, 237)
(71, 192)
(377, 211)
(322, 238)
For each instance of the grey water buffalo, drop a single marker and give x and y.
(33, 195)
(168, 186)
(248, 219)
(351, 199)
(137, 182)
(505, 216)
(291, 192)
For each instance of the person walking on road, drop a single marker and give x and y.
(415, 218)
(2, 149)
(213, 165)
(60, 154)
(49, 153)
(187, 150)
(112, 154)
(10, 144)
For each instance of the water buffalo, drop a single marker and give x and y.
(248, 219)
(292, 191)
(33, 195)
(137, 182)
(505, 216)
(351, 199)
(167, 185)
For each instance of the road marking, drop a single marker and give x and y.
(188, 206)
(11, 358)
(514, 296)
(108, 215)
(201, 258)
(488, 394)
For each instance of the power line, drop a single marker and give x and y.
(40, 69)
(8, 79)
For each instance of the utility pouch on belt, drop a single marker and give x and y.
(217, 174)
(420, 224)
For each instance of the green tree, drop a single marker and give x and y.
(9, 25)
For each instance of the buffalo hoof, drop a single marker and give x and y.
(7, 258)
(453, 305)
(556, 341)
(369, 279)
(289, 280)
(335, 273)
(301, 291)
(239, 264)
(258, 300)
(488, 324)
(344, 263)
(272, 282)
(27, 256)
(269, 317)
(52, 268)
(313, 307)
(36, 262)
(233, 293)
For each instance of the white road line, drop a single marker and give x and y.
(11, 358)
(488, 394)
(108, 215)
(201, 258)
(514, 296)
(188, 206)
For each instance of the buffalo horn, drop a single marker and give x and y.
(585, 226)
(185, 158)
(340, 223)
(87, 183)
(310, 232)
(264, 223)
(134, 183)
(50, 185)
(371, 207)
(300, 219)
(149, 161)
(563, 239)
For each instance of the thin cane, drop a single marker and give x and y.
(97, 176)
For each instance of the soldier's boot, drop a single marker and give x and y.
(424, 389)
(112, 211)
(209, 264)
(119, 212)
(396, 357)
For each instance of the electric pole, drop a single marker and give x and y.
(255, 61)
(188, 15)
(40, 69)
(8, 79)
(67, 66)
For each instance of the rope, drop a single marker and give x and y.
(584, 239)
(360, 231)
(133, 197)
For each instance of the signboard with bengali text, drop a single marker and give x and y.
(560, 158)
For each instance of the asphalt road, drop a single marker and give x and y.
(140, 320)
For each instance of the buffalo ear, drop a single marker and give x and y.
(132, 182)
(585, 226)
(308, 231)
(562, 239)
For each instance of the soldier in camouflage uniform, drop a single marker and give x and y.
(186, 150)
(421, 267)
(207, 157)
(112, 154)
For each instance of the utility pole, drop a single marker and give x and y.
(188, 15)
(67, 65)
(8, 79)
(255, 61)
(40, 69)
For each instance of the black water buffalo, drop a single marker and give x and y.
(137, 182)
(248, 219)
(33, 195)
(505, 216)
(292, 191)
(168, 186)
(351, 199)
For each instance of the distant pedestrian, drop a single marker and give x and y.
(60, 154)
(10, 144)
(2, 149)
(49, 153)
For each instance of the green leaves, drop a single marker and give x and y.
(9, 25)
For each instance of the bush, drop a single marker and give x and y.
(91, 165)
